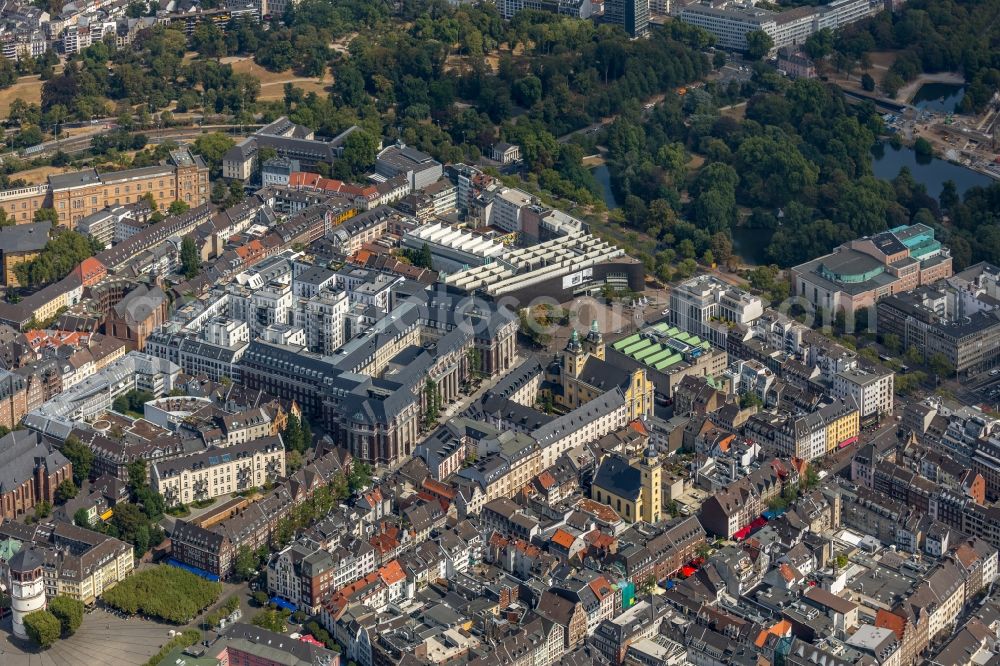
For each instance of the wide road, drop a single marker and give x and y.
(80, 143)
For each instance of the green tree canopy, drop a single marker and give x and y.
(69, 612)
(759, 44)
(246, 563)
(81, 518)
(178, 207)
(46, 214)
(43, 628)
(212, 147)
(190, 259)
(80, 456)
(272, 620)
(292, 434)
(360, 148)
(62, 253)
(65, 491)
(165, 592)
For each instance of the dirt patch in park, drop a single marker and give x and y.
(272, 84)
(39, 175)
(28, 88)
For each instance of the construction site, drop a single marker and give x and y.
(970, 142)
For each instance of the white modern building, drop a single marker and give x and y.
(226, 332)
(322, 319)
(284, 334)
(730, 22)
(90, 398)
(730, 25)
(753, 378)
(110, 225)
(566, 257)
(197, 356)
(706, 306)
(508, 205)
(872, 391)
(260, 305)
(454, 248)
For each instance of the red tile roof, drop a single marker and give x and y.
(498, 540)
(317, 182)
(526, 548)
(639, 427)
(91, 271)
(546, 480)
(888, 620)
(440, 489)
(599, 539)
(374, 496)
(966, 554)
(303, 179)
(387, 541)
(780, 628)
(600, 511)
(391, 573)
(601, 588)
(563, 538)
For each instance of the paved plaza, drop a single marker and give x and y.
(102, 640)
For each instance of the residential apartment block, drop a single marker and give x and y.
(957, 318)
(872, 391)
(217, 472)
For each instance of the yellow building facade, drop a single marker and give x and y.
(583, 374)
(843, 425)
(79, 194)
(10, 261)
(632, 489)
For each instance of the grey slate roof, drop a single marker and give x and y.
(616, 476)
(24, 237)
(18, 452)
(27, 559)
(75, 179)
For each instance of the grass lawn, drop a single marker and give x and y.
(28, 88)
(178, 511)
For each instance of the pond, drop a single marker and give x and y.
(750, 245)
(932, 172)
(939, 97)
(603, 177)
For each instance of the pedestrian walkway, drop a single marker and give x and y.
(103, 639)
